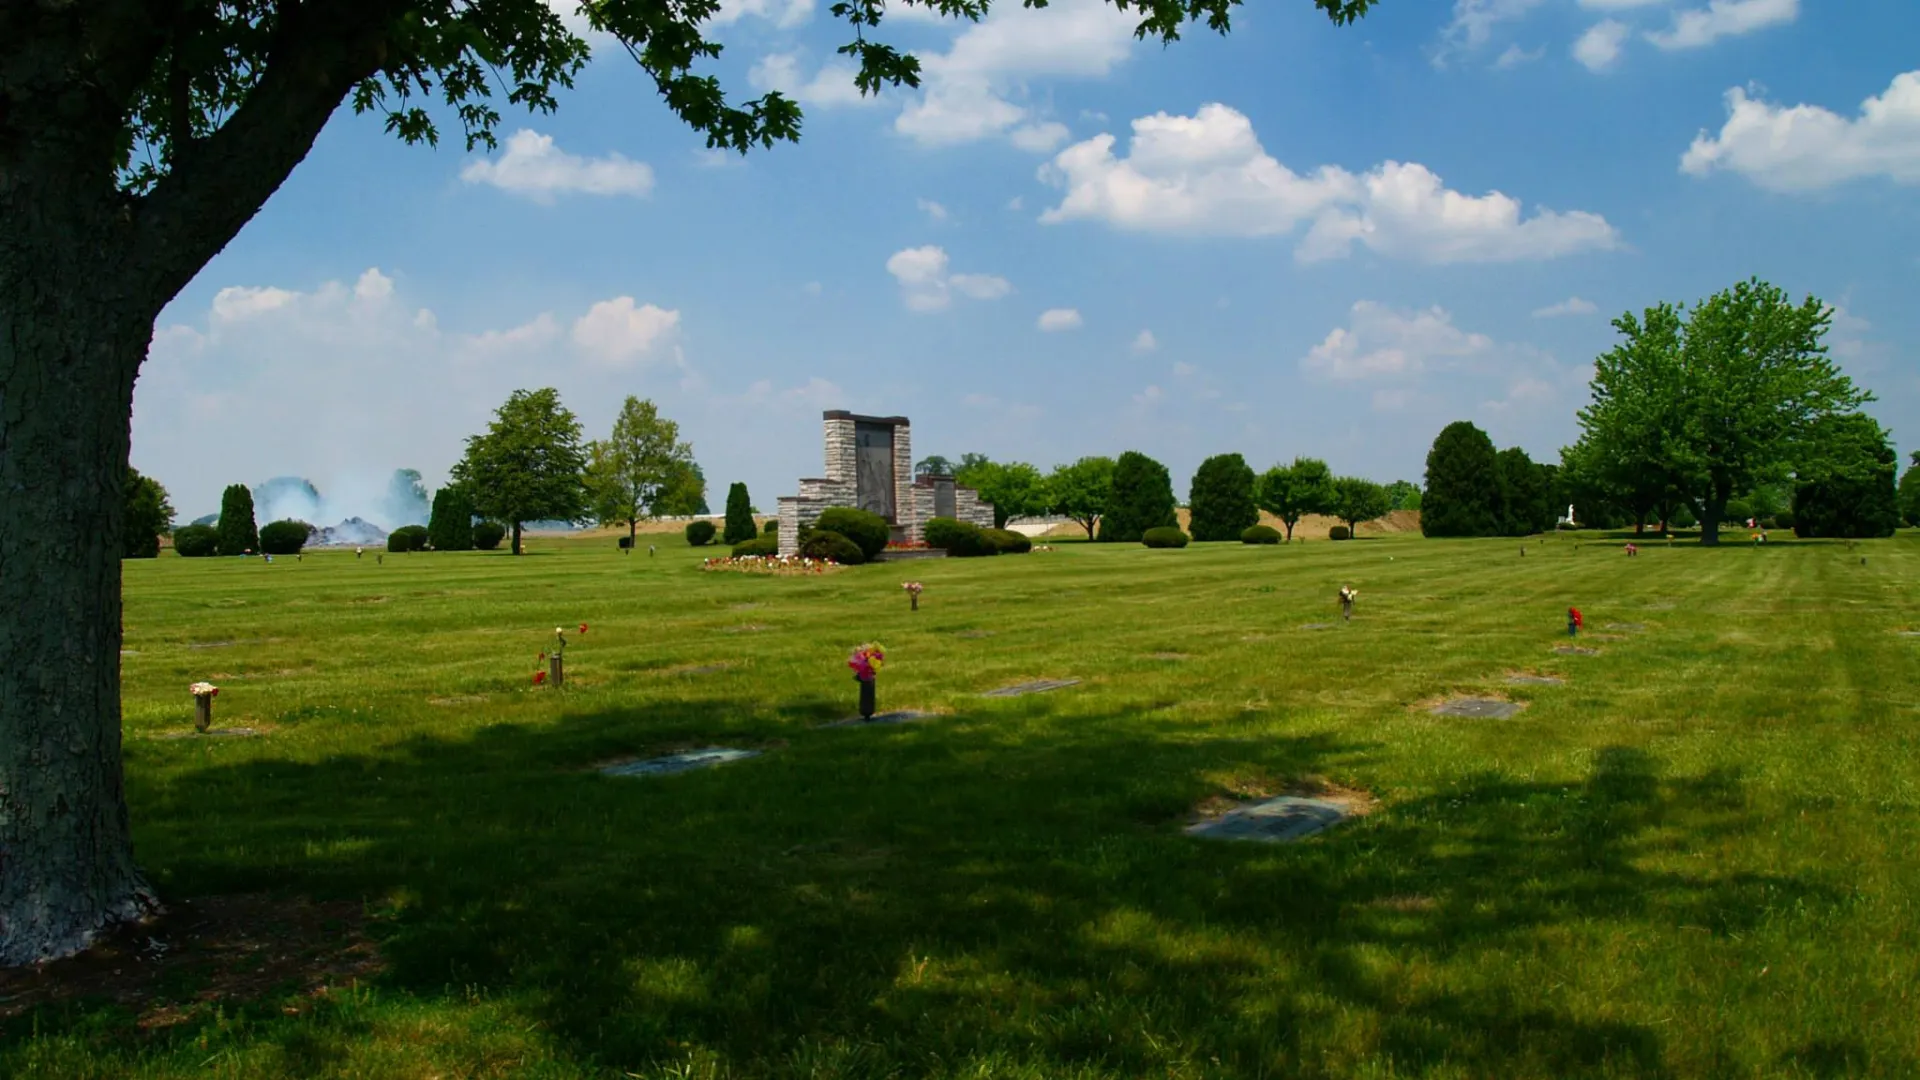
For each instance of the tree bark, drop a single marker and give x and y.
(516, 538)
(1712, 509)
(69, 348)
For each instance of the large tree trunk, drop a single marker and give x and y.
(516, 538)
(1712, 509)
(69, 348)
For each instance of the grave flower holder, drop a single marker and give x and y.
(913, 589)
(865, 662)
(203, 695)
(866, 697)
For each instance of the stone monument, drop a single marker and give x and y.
(870, 466)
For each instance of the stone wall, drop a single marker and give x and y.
(841, 456)
(913, 503)
(968, 507)
(797, 511)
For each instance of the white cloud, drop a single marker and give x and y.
(535, 168)
(1473, 24)
(785, 14)
(932, 209)
(1379, 342)
(971, 91)
(1015, 203)
(1053, 320)
(1184, 369)
(1572, 305)
(1599, 48)
(1807, 147)
(1618, 5)
(1207, 174)
(926, 285)
(1145, 342)
(617, 333)
(370, 380)
(1699, 27)
(830, 86)
(1514, 56)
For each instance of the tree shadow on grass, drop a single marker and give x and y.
(1002, 893)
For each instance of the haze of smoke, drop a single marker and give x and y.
(388, 502)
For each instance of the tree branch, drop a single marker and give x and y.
(320, 51)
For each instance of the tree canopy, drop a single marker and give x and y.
(238, 533)
(739, 521)
(1707, 403)
(1015, 488)
(527, 465)
(1844, 482)
(148, 514)
(629, 471)
(1290, 492)
(1357, 499)
(1081, 491)
(1141, 499)
(1220, 499)
(1463, 484)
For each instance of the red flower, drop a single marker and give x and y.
(1574, 614)
(583, 628)
(539, 677)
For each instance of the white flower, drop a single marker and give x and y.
(203, 689)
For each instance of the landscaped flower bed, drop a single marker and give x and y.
(791, 565)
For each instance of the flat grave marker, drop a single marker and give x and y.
(671, 764)
(897, 716)
(1316, 626)
(1037, 686)
(1535, 680)
(1575, 650)
(1273, 821)
(1166, 656)
(1626, 627)
(1478, 708)
(974, 634)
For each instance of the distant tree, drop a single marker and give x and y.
(1844, 484)
(740, 526)
(1142, 499)
(1401, 492)
(969, 463)
(1356, 499)
(1729, 395)
(406, 499)
(1909, 492)
(1290, 492)
(1463, 484)
(1220, 499)
(933, 465)
(527, 465)
(238, 534)
(1523, 494)
(1015, 488)
(1081, 491)
(685, 494)
(629, 471)
(450, 527)
(148, 515)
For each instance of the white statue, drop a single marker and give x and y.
(1569, 513)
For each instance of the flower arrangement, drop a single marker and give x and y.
(866, 661)
(203, 689)
(1633, 549)
(913, 593)
(782, 565)
(1347, 596)
(1574, 621)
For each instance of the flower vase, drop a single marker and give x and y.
(202, 712)
(913, 600)
(1573, 628)
(866, 697)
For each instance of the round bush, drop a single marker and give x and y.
(1164, 536)
(1781, 520)
(830, 545)
(1260, 534)
(407, 538)
(700, 533)
(196, 541)
(759, 545)
(771, 528)
(1007, 542)
(488, 534)
(868, 530)
(1339, 532)
(284, 537)
(959, 539)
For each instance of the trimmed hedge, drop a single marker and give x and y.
(284, 537)
(700, 533)
(407, 538)
(196, 541)
(869, 530)
(740, 526)
(830, 545)
(1339, 532)
(1260, 534)
(959, 539)
(771, 528)
(1164, 536)
(1007, 542)
(759, 545)
(488, 534)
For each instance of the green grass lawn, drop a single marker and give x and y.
(1698, 858)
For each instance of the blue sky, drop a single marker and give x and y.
(1297, 239)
